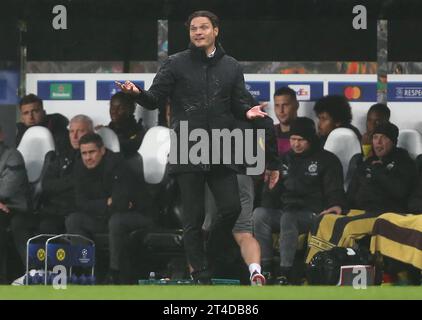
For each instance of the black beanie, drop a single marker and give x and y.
(388, 129)
(305, 128)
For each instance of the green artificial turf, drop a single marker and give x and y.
(173, 292)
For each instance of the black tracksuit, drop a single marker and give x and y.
(312, 180)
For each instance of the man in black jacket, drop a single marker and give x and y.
(382, 183)
(206, 88)
(58, 183)
(311, 183)
(33, 114)
(106, 199)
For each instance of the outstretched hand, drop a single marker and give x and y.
(128, 87)
(256, 112)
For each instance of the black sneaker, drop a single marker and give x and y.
(201, 277)
(282, 281)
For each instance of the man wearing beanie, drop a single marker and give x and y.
(382, 183)
(311, 183)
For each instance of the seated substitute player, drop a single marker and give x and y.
(382, 183)
(377, 114)
(123, 123)
(311, 183)
(333, 112)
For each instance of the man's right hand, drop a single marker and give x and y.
(128, 87)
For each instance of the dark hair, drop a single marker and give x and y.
(30, 98)
(382, 109)
(204, 13)
(92, 138)
(286, 91)
(336, 106)
(126, 100)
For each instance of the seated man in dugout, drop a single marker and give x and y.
(33, 114)
(123, 123)
(58, 183)
(382, 183)
(310, 183)
(14, 202)
(377, 114)
(334, 112)
(106, 201)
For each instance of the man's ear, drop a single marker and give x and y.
(103, 150)
(216, 30)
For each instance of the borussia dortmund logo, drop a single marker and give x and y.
(60, 254)
(41, 254)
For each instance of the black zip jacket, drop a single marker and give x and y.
(312, 180)
(207, 92)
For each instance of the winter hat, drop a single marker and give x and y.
(388, 129)
(305, 128)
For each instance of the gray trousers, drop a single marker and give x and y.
(289, 222)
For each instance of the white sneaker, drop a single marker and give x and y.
(21, 280)
(257, 279)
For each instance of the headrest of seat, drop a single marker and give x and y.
(110, 139)
(411, 140)
(154, 150)
(344, 143)
(35, 144)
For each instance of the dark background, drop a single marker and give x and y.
(252, 30)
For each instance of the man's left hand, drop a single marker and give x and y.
(256, 112)
(334, 210)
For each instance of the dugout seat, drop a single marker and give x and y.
(154, 150)
(37, 148)
(411, 140)
(346, 146)
(163, 244)
(110, 139)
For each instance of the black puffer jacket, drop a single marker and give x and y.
(58, 184)
(312, 180)
(385, 187)
(207, 92)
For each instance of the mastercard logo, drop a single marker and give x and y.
(352, 92)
